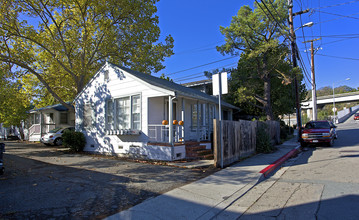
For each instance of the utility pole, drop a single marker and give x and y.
(294, 60)
(314, 93)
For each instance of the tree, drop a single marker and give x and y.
(59, 44)
(14, 102)
(246, 86)
(166, 77)
(257, 37)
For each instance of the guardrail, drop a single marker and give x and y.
(344, 114)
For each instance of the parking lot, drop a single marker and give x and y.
(48, 182)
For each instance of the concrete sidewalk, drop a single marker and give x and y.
(210, 197)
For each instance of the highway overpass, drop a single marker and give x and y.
(328, 99)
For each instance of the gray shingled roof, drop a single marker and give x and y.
(57, 107)
(171, 86)
(196, 83)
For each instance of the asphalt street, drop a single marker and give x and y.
(42, 182)
(321, 183)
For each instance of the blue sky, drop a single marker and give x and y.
(194, 25)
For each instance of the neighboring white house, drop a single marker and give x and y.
(121, 111)
(44, 119)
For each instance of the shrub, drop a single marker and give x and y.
(264, 144)
(74, 140)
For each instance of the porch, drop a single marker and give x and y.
(41, 121)
(191, 127)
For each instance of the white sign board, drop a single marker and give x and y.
(224, 82)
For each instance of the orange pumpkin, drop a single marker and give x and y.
(165, 122)
(175, 122)
(181, 123)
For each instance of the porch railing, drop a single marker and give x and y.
(160, 133)
(204, 132)
(36, 128)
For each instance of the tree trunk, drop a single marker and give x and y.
(267, 90)
(267, 95)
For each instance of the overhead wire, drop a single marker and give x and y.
(206, 64)
(344, 16)
(339, 36)
(335, 5)
(201, 73)
(345, 58)
(285, 36)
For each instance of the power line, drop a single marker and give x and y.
(340, 4)
(201, 73)
(339, 36)
(345, 58)
(345, 16)
(285, 37)
(191, 77)
(198, 49)
(206, 64)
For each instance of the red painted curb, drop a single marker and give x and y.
(266, 171)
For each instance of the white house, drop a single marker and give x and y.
(122, 111)
(44, 119)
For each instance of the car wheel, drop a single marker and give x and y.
(303, 144)
(58, 141)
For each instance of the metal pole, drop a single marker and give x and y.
(170, 125)
(333, 105)
(220, 118)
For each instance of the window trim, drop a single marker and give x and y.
(113, 99)
(93, 116)
(67, 118)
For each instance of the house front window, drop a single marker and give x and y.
(124, 113)
(63, 118)
(136, 112)
(196, 114)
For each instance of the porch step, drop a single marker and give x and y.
(198, 152)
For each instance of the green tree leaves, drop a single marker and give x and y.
(61, 43)
(14, 102)
(261, 84)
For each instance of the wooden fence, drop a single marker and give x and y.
(239, 139)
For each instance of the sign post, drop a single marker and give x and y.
(220, 86)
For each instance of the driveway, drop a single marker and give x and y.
(47, 182)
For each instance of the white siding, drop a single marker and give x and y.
(119, 84)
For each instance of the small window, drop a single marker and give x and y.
(196, 113)
(63, 118)
(51, 118)
(109, 114)
(106, 75)
(136, 112)
(88, 116)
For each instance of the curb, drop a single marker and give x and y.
(272, 167)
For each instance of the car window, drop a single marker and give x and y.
(317, 124)
(55, 130)
(321, 124)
